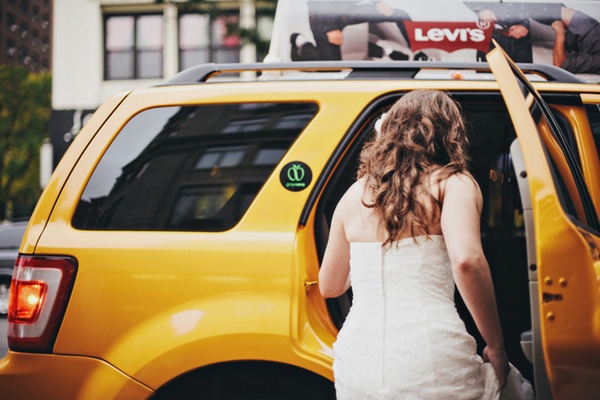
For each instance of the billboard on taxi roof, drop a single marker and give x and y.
(565, 34)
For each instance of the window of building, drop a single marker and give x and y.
(24, 30)
(133, 47)
(45, 44)
(203, 39)
(11, 22)
(11, 48)
(45, 21)
(23, 56)
(35, 13)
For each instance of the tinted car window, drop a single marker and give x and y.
(189, 168)
(564, 160)
(593, 114)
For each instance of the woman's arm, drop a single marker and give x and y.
(334, 276)
(461, 213)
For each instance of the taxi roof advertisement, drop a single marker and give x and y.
(565, 34)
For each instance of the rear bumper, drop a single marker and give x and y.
(48, 376)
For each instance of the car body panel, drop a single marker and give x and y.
(81, 373)
(50, 193)
(566, 255)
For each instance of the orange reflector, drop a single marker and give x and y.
(27, 299)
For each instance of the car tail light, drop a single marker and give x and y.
(39, 293)
(28, 301)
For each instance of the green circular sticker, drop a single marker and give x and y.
(295, 176)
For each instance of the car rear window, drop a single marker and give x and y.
(189, 168)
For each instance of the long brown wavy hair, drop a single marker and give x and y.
(422, 142)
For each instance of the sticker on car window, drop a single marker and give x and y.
(295, 176)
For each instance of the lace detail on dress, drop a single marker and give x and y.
(403, 337)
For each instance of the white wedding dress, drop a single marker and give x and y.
(403, 338)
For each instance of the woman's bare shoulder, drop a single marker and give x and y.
(461, 181)
(354, 202)
(461, 186)
(355, 192)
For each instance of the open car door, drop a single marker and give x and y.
(563, 243)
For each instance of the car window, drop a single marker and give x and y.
(593, 114)
(189, 168)
(563, 159)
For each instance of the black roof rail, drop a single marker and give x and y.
(363, 70)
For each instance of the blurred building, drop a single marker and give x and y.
(103, 47)
(26, 34)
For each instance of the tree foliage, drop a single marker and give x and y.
(24, 124)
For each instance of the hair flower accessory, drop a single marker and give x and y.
(379, 122)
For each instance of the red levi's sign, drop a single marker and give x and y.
(449, 36)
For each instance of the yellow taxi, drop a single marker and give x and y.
(175, 251)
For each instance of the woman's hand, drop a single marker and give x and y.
(499, 362)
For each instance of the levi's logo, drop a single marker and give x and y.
(449, 36)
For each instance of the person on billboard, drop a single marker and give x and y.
(577, 43)
(328, 19)
(511, 28)
(303, 50)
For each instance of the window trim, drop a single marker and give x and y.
(570, 154)
(134, 49)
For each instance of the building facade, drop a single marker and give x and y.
(104, 47)
(26, 34)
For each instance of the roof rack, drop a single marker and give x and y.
(363, 70)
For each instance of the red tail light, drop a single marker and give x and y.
(27, 301)
(39, 294)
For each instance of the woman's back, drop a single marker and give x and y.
(403, 337)
(361, 224)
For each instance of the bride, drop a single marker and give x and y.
(404, 235)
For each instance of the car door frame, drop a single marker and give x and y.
(563, 251)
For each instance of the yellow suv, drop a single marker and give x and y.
(175, 251)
